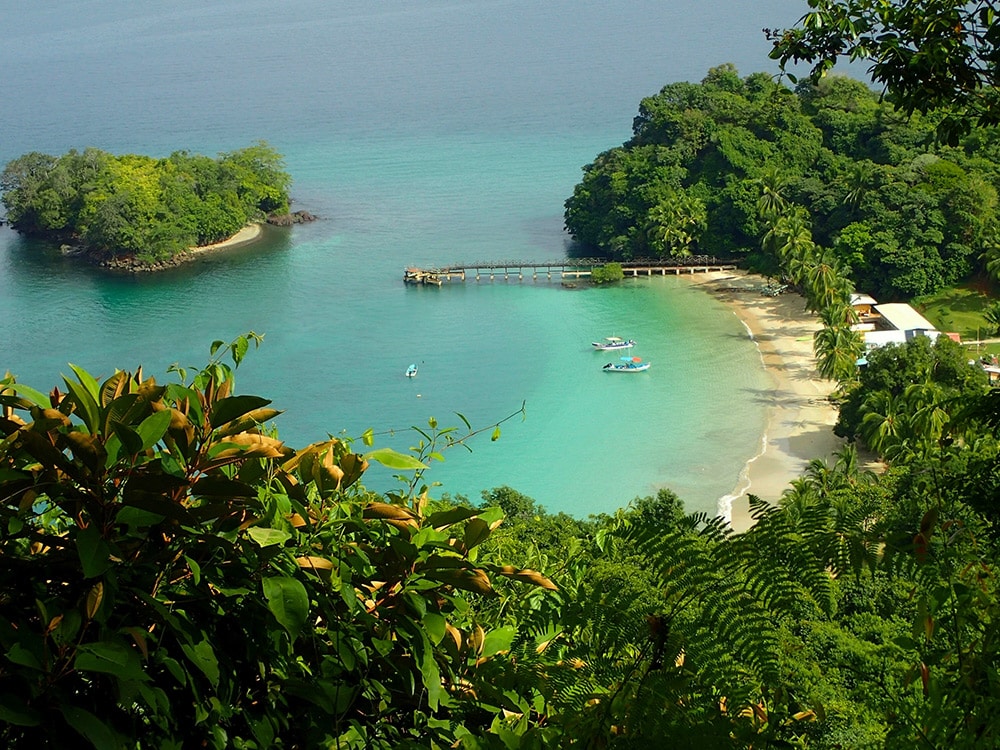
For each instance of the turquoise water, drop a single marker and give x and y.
(422, 134)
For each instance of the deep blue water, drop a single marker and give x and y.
(421, 133)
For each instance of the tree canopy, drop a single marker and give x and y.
(927, 54)
(141, 206)
(738, 166)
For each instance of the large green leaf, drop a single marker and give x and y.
(125, 409)
(13, 710)
(35, 397)
(430, 675)
(99, 734)
(498, 640)
(153, 428)
(476, 532)
(446, 518)
(235, 407)
(110, 657)
(94, 552)
(394, 460)
(86, 404)
(203, 657)
(128, 438)
(288, 601)
(266, 537)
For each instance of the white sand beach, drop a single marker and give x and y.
(247, 234)
(800, 419)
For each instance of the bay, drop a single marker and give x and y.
(420, 133)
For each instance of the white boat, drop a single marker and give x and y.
(628, 364)
(411, 371)
(612, 343)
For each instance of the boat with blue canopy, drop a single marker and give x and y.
(627, 364)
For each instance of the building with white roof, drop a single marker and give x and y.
(897, 323)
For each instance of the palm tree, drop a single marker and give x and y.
(837, 350)
(674, 225)
(826, 282)
(928, 418)
(992, 313)
(858, 182)
(884, 424)
(771, 203)
(838, 314)
(849, 467)
(991, 261)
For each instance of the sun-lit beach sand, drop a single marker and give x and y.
(800, 418)
(247, 234)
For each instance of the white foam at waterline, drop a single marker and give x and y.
(724, 505)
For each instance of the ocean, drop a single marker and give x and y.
(421, 133)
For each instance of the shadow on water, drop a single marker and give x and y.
(30, 259)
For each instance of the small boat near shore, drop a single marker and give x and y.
(628, 364)
(612, 343)
(411, 371)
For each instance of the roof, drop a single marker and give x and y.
(863, 299)
(902, 317)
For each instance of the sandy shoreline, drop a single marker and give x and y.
(249, 233)
(800, 419)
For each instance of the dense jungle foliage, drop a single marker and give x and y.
(173, 575)
(901, 214)
(136, 205)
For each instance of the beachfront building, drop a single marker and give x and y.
(863, 305)
(892, 323)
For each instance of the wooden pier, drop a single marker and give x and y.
(560, 270)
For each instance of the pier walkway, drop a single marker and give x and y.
(561, 270)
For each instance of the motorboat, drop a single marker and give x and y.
(628, 364)
(411, 371)
(613, 342)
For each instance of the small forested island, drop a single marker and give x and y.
(138, 211)
(748, 167)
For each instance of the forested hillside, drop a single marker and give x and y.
(902, 214)
(134, 205)
(174, 575)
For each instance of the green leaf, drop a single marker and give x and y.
(94, 552)
(99, 734)
(430, 675)
(235, 407)
(20, 655)
(266, 537)
(15, 711)
(394, 460)
(239, 349)
(153, 428)
(128, 438)
(498, 640)
(288, 601)
(86, 404)
(434, 624)
(446, 518)
(476, 532)
(203, 657)
(110, 657)
(35, 397)
(496, 434)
